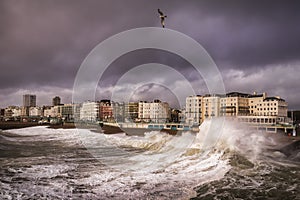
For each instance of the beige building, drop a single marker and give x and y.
(12, 112)
(53, 111)
(29, 100)
(144, 111)
(131, 111)
(261, 105)
(156, 111)
(255, 108)
(255, 101)
(193, 109)
(35, 111)
(210, 106)
(234, 104)
(89, 111)
(159, 111)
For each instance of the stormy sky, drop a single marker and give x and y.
(255, 44)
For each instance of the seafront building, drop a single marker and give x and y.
(193, 105)
(29, 100)
(56, 101)
(12, 112)
(131, 111)
(250, 108)
(89, 111)
(35, 111)
(106, 111)
(234, 104)
(210, 106)
(156, 111)
(118, 109)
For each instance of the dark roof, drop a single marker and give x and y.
(236, 94)
(105, 100)
(273, 98)
(214, 95)
(255, 95)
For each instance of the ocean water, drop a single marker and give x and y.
(43, 163)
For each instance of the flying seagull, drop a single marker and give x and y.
(162, 18)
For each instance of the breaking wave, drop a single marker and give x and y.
(156, 166)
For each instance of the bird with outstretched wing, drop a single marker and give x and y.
(162, 18)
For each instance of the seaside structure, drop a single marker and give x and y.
(257, 109)
(159, 111)
(266, 110)
(52, 111)
(56, 101)
(47, 111)
(106, 111)
(250, 108)
(210, 106)
(118, 109)
(11, 113)
(234, 104)
(156, 111)
(193, 106)
(69, 111)
(144, 112)
(175, 115)
(35, 111)
(89, 111)
(29, 100)
(2, 111)
(131, 111)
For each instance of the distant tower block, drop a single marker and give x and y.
(56, 101)
(29, 100)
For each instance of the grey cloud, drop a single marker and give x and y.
(44, 42)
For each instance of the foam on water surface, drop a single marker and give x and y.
(118, 166)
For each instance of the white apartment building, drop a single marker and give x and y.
(35, 111)
(16, 112)
(256, 108)
(52, 112)
(234, 104)
(268, 106)
(254, 102)
(211, 106)
(47, 112)
(144, 111)
(269, 110)
(12, 112)
(156, 111)
(193, 109)
(159, 111)
(89, 111)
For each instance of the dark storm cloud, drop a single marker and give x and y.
(42, 43)
(245, 33)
